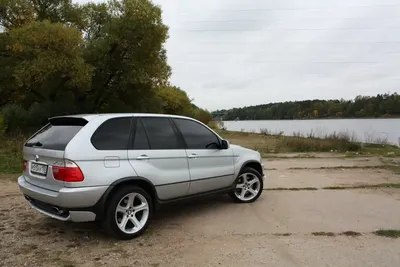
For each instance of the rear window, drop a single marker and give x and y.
(57, 134)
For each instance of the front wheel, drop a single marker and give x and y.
(129, 212)
(248, 186)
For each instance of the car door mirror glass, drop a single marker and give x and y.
(224, 144)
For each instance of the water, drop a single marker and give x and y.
(364, 130)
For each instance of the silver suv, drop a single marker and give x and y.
(116, 168)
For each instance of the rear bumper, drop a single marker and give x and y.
(68, 204)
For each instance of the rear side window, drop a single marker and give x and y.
(57, 134)
(161, 133)
(196, 135)
(112, 134)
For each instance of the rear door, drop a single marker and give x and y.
(210, 167)
(45, 149)
(157, 153)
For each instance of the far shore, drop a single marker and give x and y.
(331, 118)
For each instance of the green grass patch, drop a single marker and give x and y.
(388, 233)
(382, 150)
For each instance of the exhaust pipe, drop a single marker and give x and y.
(59, 211)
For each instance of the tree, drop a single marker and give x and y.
(43, 69)
(175, 101)
(58, 57)
(363, 106)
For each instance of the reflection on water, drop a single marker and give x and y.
(363, 130)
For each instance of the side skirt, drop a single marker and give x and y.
(214, 192)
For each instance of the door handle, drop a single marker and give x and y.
(193, 156)
(143, 157)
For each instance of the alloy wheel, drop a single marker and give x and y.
(132, 213)
(247, 187)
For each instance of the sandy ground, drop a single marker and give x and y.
(216, 232)
(325, 178)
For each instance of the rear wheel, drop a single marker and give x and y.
(248, 186)
(129, 212)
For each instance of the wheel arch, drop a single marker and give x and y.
(145, 184)
(254, 165)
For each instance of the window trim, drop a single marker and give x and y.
(178, 135)
(132, 136)
(114, 118)
(183, 138)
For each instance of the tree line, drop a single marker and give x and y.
(57, 58)
(382, 105)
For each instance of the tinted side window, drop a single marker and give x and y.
(140, 141)
(196, 135)
(161, 134)
(112, 134)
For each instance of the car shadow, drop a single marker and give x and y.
(191, 207)
(79, 234)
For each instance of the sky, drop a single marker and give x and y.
(236, 53)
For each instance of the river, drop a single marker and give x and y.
(363, 130)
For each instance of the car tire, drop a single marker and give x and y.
(128, 213)
(248, 186)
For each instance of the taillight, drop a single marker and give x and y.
(70, 173)
(24, 165)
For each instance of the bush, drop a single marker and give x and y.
(15, 118)
(20, 120)
(265, 131)
(11, 153)
(217, 125)
(202, 115)
(332, 143)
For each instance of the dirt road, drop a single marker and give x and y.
(283, 228)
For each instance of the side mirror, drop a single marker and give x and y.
(224, 144)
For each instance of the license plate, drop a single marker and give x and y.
(39, 169)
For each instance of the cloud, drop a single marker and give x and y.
(232, 53)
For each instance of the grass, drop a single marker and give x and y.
(323, 234)
(381, 150)
(346, 233)
(292, 189)
(342, 167)
(11, 154)
(268, 144)
(283, 234)
(351, 233)
(369, 186)
(388, 233)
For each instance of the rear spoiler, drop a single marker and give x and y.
(76, 121)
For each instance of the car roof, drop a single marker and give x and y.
(89, 117)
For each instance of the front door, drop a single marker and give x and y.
(157, 154)
(211, 168)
